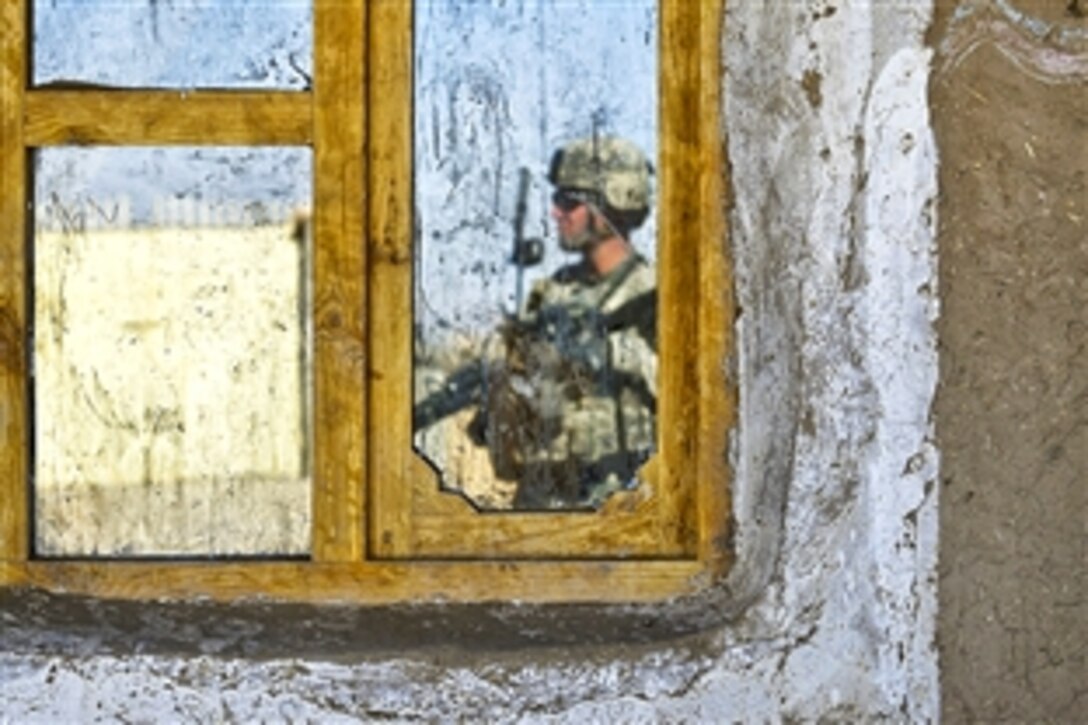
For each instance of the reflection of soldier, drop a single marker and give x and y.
(566, 390)
(569, 408)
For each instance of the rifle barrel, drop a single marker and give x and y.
(461, 389)
(518, 257)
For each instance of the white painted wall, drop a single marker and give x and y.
(830, 611)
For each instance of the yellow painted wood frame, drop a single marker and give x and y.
(14, 437)
(374, 500)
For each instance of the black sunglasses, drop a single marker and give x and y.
(568, 200)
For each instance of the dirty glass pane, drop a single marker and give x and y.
(171, 351)
(535, 357)
(174, 43)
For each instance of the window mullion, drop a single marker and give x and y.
(339, 281)
(395, 468)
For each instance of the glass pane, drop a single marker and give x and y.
(171, 351)
(174, 43)
(535, 302)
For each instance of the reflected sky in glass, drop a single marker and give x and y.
(499, 85)
(174, 43)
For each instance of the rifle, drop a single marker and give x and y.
(466, 386)
(527, 252)
(576, 336)
(463, 388)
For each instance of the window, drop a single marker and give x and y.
(381, 527)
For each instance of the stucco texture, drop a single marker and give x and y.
(1009, 93)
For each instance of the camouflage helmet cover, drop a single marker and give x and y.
(613, 167)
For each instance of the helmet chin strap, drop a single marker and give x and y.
(594, 232)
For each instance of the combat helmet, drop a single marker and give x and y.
(613, 171)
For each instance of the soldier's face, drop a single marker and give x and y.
(572, 222)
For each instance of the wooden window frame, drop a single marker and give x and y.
(381, 531)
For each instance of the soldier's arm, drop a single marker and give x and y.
(634, 357)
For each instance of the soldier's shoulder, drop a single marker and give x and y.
(644, 270)
(561, 283)
(642, 278)
(555, 288)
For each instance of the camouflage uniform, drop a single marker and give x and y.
(567, 387)
(570, 404)
(586, 396)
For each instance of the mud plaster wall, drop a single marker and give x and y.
(1011, 114)
(831, 610)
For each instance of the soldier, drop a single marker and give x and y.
(570, 411)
